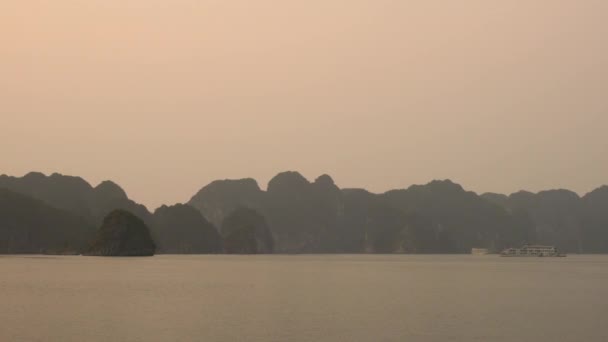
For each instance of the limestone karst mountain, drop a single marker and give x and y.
(245, 231)
(75, 195)
(220, 198)
(555, 215)
(319, 217)
(181, 229)
(458, 219)
(28, 225)
(122, 234)
(594, 221)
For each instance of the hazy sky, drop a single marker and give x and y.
(165, 96)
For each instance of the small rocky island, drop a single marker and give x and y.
(122, 234)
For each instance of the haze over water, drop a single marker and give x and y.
(170, 98)
(304, 298)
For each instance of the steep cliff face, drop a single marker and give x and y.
(122, 234)
(245, 231)
(181, 229)
(555, 216)
(28, 225)
(458, 220)
(369, 225)
(310, 217)
(109, 196)
(318, 217)
(594, 221)
(302, 215)
(220, 198)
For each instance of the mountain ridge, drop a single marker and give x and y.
(320, 217)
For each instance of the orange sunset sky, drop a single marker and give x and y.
(165, 96)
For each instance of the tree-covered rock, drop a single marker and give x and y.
(181, 229)
(122, 234)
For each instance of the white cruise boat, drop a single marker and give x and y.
(480, 251)
(532, 251)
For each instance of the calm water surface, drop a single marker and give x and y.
(304, 298)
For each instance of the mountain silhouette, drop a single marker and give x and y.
(181, 229)
(75, 195)
(28, 225)
(245, 232)
(295, 215)
(122, 234)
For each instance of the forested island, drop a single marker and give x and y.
(60, 214)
